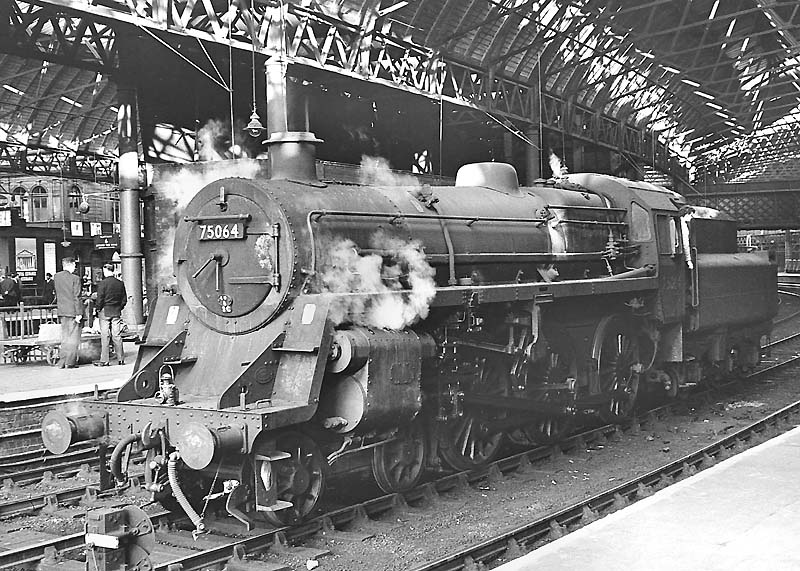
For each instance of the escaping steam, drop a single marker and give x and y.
(214, 141)
(393, 289)
(375, 171)
(559, 170)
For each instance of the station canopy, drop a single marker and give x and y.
(716, 80)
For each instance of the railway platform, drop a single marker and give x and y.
(36, 380)
(740, 514)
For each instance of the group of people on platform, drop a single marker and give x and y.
(111, 297)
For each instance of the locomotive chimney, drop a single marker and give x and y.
(292, 154)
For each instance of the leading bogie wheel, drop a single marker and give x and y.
(399, 464)
(299, 479)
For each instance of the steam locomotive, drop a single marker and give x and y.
(321, 328)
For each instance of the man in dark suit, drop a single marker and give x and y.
(9, 291)
(49, 290)
(70, 312)
(111, 298)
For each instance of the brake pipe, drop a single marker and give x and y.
(116, 458)
(183, 501)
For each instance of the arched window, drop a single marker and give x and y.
(75, 196)
(39, 204)
(39, 196)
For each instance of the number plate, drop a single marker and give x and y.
(226, 231)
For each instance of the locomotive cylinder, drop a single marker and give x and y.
(349, 351)
(60, 430)
(373, 379)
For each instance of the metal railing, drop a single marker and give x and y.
(23, 321)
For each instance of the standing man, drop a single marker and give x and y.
(111, 298)
(9, 291)
(49, 290)
(70, 312)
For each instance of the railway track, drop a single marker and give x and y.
(552, 526)
(514, 542)
(329, 525)
(28, 467)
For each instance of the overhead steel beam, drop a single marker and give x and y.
(46, 32)
(47, 161)
(325, 42)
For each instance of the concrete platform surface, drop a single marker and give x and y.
(37, 379)
(742, 514)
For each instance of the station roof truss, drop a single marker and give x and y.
(708, 86)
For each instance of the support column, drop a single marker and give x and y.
(130, 223)
(533, 161)
(277, 98)
(128, 167)
(508, 148)
(577, 157)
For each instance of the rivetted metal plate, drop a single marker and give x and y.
(234, 255)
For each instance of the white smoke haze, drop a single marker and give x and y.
(214, 141)
(559, 170)
(179, 188)
(394, 290)
(375, 171)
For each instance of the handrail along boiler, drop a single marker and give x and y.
(324, 328)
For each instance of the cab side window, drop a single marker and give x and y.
(641, 230)
(668, 236)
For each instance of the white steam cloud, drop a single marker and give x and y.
(396, 287)
(179, 188)
(375, 171)
(559, 170)
(214, 141)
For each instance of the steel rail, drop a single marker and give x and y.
(552, 525)
(555, 524)
(15, 508)
(22, 557)
(428, 492)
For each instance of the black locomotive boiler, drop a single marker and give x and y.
(320, 328)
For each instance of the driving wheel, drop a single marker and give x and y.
(468, 441)
(615, 351)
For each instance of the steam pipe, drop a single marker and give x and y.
(183, 501)
(644, 271)
(116, 458)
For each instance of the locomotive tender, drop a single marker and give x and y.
(321, 328)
